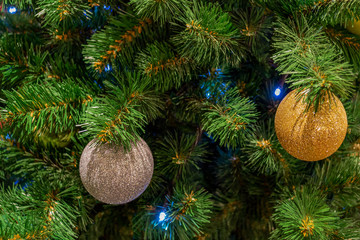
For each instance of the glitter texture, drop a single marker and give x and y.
(308, 136)
(354, 27)
(114, 176)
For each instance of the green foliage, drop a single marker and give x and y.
(352, 110)
(254, 28)
(287, 7)
(50, 203)
(46, 173)
(304, 215)
(339, 177)
(348, 43)
(328, 12)
(17, 23)
(120, 40)
(106, 223)
(184, 73)
(63, 13)
(179, 156)
(243, 199)
(29, 165)
(338, 11)
(230, 119)
(164, 67)
(159, 10)
(19, 62)
(187, 212)
(20, 3)
(349, 228)
(120, 116)
(304, 51)
(29, 215)
(214, 86)
(37, 109)
(207, 36)
(262, 148)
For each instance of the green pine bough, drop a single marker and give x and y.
(305, 215)
(210, 36)
(230, 119)
(303, 50)
(200, 82)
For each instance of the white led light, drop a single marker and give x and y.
(277, 92)
(162, 216)
(12, 9)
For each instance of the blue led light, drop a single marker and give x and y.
(12, 10)
(162, 216)
(106, 7)
(108, 68)
(277, 92)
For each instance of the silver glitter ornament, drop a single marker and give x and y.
(114, 176)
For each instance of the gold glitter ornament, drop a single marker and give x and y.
(308, 136)
(114, 176)
(354, 28)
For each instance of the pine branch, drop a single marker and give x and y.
(21, 3)
(159, 10)
(352, 109)
(228, 211)
(230, 119)
(349, 44)
(63, 13)
(337, 11)
(327, 11)
(164, 67)
(263, 150)
(52, 108)
(67, 43)
(340, 178)
(120, 40)
(254, 28)
(57, 169)
(13, 224)
(186, 213)
(304, 52)
(207, 36)
(179, 156)
(157, 186)
(24, 26)
(29, 165)
(349, 228)
(304, 215)
(121, 115)
(51, 216)
(285, 8)
(19, 62)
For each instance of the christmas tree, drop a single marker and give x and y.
(161, 119)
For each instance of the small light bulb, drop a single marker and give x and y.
(107, 68)
(12, 10)
(277, 92)
(162, 216)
